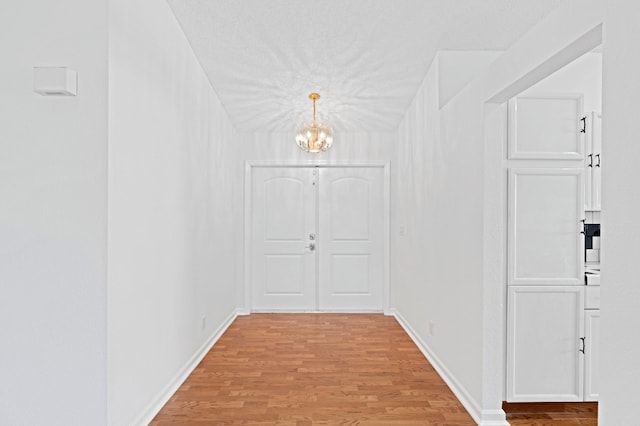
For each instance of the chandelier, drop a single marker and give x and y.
(314, 137)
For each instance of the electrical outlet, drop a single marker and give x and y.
(432, 327)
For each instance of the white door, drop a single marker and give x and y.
(317, 238)
(544, 359)
(545, 210)
(592, 354)
(283, 215)
(351, 242)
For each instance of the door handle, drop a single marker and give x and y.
(590, 160)
(582, 339)
(311, 247)
(598, 157)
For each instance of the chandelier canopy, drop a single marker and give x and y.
(314, 137)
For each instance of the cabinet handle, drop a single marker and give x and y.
(584, 124)
(584, 226)
(582, 339)
(598, 157)
(590, 160)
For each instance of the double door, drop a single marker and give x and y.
(317, 238)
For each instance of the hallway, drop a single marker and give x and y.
(307, 369)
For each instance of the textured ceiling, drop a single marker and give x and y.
(366, 58)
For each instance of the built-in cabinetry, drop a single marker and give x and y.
(553, 344)
(592, 353)
(552, 338)
(543, 127)
(545, 327)
(592, 123)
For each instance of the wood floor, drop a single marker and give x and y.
(330, 369)
(320, 369)
(552, 413)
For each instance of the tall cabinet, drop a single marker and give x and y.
(547, 345)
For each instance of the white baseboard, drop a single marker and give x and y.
(316, 311)
(156, 405)
(481, 417)
(494, 418)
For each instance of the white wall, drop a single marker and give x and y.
(584, 75)
(620, 370)
(448, 203)
(53, 250)
(456, 68)
(437, 233)
(171, 214)
(347, 148)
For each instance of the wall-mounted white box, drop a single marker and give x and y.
(55, 81)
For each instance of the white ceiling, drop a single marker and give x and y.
(366, 58)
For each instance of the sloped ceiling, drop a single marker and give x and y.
(366, 58)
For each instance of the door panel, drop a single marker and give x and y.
(545, 244)
(350, 200)
(350, 274)
(286, 221)
(351, 243)
(283, 208)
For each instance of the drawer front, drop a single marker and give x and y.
(592, 297)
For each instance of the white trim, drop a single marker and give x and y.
(481, 417)
(317, 311)
(247, 237)
(386, 284)
(385, 165)
(154, 407)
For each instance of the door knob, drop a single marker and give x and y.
(311, 247)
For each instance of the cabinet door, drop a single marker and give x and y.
(592, 354)
(546, 127)
(545, 243)
(596, 181)
(544, 362)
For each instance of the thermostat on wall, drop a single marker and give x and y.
(55, 81)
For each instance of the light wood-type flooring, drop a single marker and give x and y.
(330, 369)
(314, 369)
(552, 413)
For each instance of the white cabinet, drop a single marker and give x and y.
(552, 341)
(546, 127)
(545, 327)
(553, 345)
(592, 354)
(593, 161)
(545, 246)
